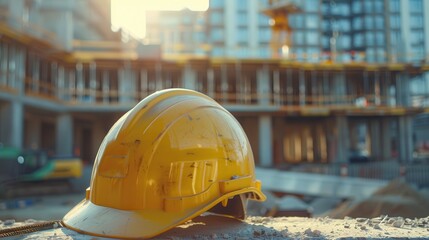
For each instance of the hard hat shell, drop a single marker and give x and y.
(175, 155)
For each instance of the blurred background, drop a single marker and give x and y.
(333, 95)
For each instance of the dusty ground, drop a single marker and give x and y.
(40, 208)
(216, 227)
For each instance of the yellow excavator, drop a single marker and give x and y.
(28, 166)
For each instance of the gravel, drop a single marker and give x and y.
(9, 222)
(398, 223)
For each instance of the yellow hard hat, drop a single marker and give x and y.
(175, 155)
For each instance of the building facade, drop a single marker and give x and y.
(315, 114)
(180, 32)
(336, 30)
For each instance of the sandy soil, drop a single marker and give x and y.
(217, 227)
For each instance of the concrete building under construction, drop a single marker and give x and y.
(64, 97)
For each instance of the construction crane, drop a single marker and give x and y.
(279, 11)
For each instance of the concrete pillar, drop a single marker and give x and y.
(239, 90)
(158, 77)
(340, 87)
(80, 85)
(20, 71)
(374, 131)
(263, 85)
(377, 90)
(224, 82)
(302, 87)
(278, 135)
(342, 139)
(265, 141)
(189, 77)
(106, 86)
(33, 133)
(386, 137)
(354, 135)
(61, 86)
(17, 124)
(289, 86)
(403, 89)
(12, 124)
(390, 92)
(210, 83)
(127, 84)
(277, 94)
(64, 135)
(405, 137)
(99, 131)
(93, 82)
(4, 122)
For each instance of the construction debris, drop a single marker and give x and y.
(396, 199)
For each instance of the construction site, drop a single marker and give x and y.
(337, 123)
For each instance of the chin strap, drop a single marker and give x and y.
(234, 207)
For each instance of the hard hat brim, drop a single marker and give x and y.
(89, 218)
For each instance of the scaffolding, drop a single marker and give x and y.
(279, 12)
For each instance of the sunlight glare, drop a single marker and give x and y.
(130, 14)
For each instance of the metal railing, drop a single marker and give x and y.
(97, 94)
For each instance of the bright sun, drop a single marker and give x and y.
(130, 14)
